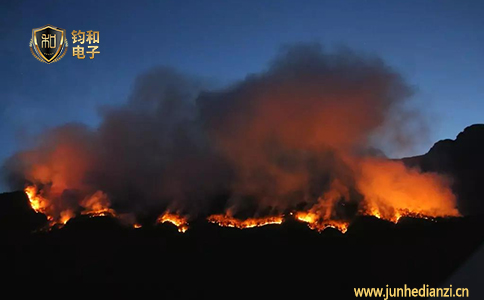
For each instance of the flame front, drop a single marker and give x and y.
(389, 191)
(226, 220)
(65, 216)
(316, 223)
(179, 221)
(37, 202)
(97, 205)
(392, 191)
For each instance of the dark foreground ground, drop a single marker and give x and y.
(210, 261)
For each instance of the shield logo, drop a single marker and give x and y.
(48, 42)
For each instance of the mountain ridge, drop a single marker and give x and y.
(462, 160)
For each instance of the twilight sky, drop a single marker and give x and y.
(438, 46)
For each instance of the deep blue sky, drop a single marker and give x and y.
(437, 45)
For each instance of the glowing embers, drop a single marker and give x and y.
(179, 221)
(226, 220)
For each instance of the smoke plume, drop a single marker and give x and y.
(300, 135)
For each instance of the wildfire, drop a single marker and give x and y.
(391, 191)
(179, 221)
(314, 222)
(97, 205)
(394, 215)
(105, 212)
(66, 216)
(376, 213)
(288, 142)
(388, 214)
(37, 202)
(41, 205)
(229, 221)
(316, 218)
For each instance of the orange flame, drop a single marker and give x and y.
(65, 216)
(391, 191)
(229, 221)
(389, 214)
(314, 222)
(179, 221)
(97, 205)
(137, 226)
(38, 203)
(320, 216)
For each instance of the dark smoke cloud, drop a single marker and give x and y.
(287, 131)
(154, 150)
(275, 139)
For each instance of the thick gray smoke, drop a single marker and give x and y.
(287, 133)
(270, 142)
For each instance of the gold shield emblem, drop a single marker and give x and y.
(48, 43)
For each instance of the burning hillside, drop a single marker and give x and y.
(104, 249)
(230, 221)
(96, 205)
(297, 138)
(315, 218)
(180, 222)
